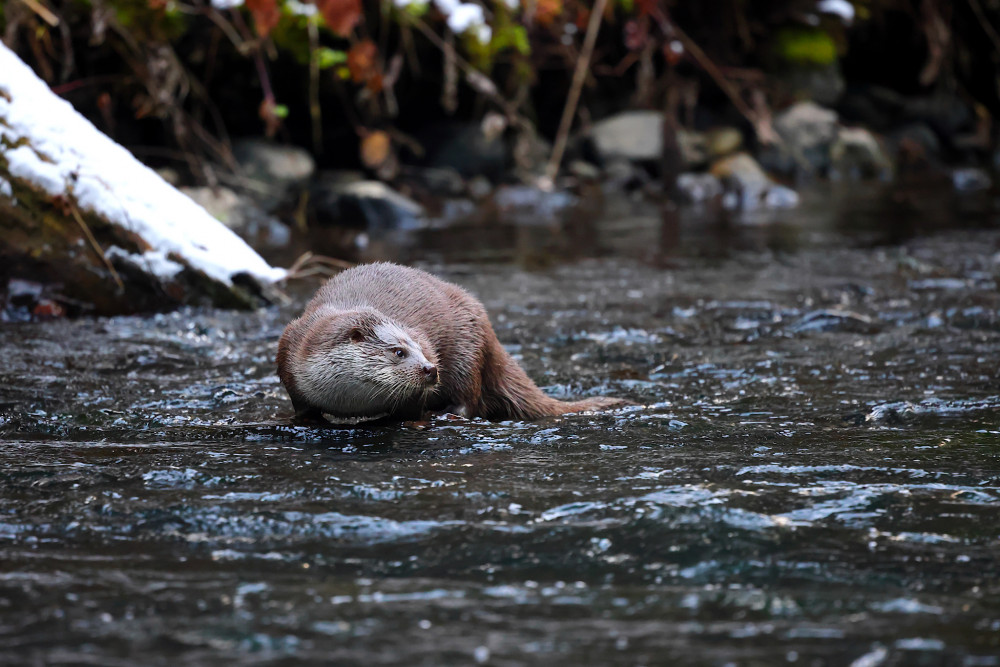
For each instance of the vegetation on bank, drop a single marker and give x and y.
(358, 82)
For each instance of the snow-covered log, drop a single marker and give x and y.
(79, 210)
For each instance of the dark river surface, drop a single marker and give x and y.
(812, 474)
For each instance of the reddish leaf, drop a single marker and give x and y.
(361, 61)
(546, 11)
(646, 7)
(375, 83)
(340, 15)
(265, 15)
(47, 309)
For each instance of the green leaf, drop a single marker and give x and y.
(802, 45)
(327, 57)
(416, 9)
(511, 36)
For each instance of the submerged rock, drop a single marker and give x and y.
(526, 205)
(695, 188)
(834, 320)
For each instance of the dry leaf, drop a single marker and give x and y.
(265, 15)
(546, 11)
(340, 15)
(375, 149)
(361, 61)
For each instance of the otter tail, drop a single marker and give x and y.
(593, 404)
(508, 393)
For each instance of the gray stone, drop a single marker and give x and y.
(170, 175)
(584, 170)
(531, 155)
(915, 141)
(441, 181)
(467, 149)
(776, 158)
(630, 135)
(807, 130)
(273, 169)
(946, 113)
(971, 179)
(372, 205)
(222, 203)
(856, 153)
(742, 171)
(748, 186)
(480, 188)
(806, 124)
(722, 141)
(823, 84)
(241, 215)
(694, 149)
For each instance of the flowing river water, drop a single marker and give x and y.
(812, 474)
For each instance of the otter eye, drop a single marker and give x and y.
(400, 353)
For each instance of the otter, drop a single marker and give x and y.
(388, 341)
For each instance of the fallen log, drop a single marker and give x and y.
(79, 212)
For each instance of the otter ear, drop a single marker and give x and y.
(356, 335)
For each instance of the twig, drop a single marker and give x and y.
(43, 12)
(96, 246)
(472, 74)
(309, 264)
(315, 112)
(987, 26)
(569, 111)
(713, 71)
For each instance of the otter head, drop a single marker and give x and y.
(360, 363)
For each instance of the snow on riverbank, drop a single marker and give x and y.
(62, 153)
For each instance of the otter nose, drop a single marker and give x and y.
(430, 372)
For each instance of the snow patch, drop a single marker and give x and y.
(841, 8)
(154, 262)
(66, 154)
(462, 16)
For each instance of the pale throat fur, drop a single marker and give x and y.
(362, 364)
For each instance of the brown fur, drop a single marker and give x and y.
(477, 376)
